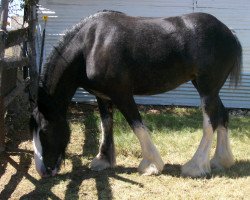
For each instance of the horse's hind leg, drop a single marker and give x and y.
(106, 155)
(152, 162)
(223, 157)
(214, 117)
(199, 165)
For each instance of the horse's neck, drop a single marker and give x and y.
(62, 71)
(61, 86)
(54, 75)
(64, 68)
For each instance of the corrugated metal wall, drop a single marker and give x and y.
(235, 14)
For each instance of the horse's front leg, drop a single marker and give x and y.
(152, 162)
(106, 156)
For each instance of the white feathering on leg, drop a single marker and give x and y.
(223, 157)
(199, 165)
(152, 162)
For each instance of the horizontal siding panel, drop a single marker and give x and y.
(224, 4)
(66, 20)
(95, 3)
(232, 18)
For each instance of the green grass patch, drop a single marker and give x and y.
(175, 131)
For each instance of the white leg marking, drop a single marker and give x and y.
(152, 162)
(99, 162)
(223, 157)
(38, 154)
(199, 165)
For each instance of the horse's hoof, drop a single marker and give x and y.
(215, 165)
(99, 164)
(147, 168)
(219, 164)
(195, 170)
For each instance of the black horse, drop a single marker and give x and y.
(115, 56)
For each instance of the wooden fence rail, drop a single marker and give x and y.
(4, 17)
(10, 85)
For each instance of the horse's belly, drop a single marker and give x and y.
(151, 88)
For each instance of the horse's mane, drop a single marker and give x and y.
(68, 35)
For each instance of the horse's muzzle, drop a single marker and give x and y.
(46, 172)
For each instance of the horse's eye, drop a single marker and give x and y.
(44, 125)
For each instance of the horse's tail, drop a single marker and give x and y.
(235, 74)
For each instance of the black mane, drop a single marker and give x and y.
(68, 35)
(56, 52)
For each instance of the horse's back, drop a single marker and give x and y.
(153, 55)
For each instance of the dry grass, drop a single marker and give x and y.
(176, 132)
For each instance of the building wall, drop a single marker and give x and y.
(235, 14)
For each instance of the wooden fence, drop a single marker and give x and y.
(10, 85)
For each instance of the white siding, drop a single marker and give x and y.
(235, 14)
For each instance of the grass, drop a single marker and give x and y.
(175, 131)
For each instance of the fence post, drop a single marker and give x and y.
(31, 18)
(4, 17)
(2, 126)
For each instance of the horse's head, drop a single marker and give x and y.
(50, 136)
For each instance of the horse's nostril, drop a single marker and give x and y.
(44, 174)
(54, 172)
(49, 171)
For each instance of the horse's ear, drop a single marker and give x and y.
(31, 94)
(42, 94)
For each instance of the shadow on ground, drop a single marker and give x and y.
(81, 173)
